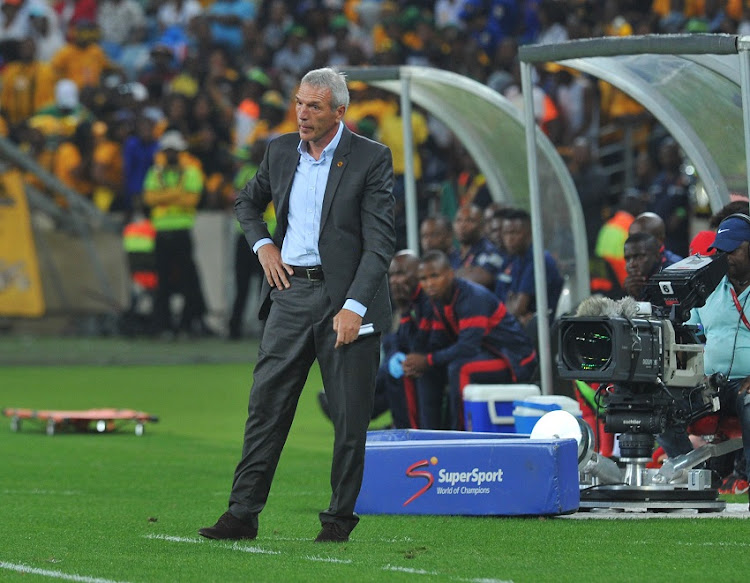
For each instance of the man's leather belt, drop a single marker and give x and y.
(314, 272)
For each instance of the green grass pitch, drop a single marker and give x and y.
(120, 508)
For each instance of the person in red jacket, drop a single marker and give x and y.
(70, 12)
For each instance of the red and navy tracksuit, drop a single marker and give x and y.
(472, 338)
(401, 393)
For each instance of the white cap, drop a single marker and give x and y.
(139, 91)
(172, 140)
(66, 94)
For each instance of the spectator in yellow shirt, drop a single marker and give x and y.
(26, 84)
(60, 119)
(108, 162)
(72, 161)
(82, 59)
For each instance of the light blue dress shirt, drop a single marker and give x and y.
(300, 246)
(306, 203)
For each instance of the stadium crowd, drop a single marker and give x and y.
(154, 109)
(85, 84)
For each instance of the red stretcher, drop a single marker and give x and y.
(90, 420)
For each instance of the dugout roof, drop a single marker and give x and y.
(492, 130)
(696, 85)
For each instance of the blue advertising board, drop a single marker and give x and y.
(462, 473)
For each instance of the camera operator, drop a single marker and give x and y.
(726, 326)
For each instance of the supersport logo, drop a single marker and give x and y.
(413, 471)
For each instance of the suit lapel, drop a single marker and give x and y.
(338, 166)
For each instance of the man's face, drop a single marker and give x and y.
(316, 120)
(494, 231)
(516, 236)
(436, 280)
(669, 156)
(468, 225)
(172, 156)
(641, 259)
(434, 237)
(402, 278)
(739, 262)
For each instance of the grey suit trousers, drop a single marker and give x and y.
(298, 330)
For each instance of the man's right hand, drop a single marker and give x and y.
(414, 365)
(633, 285)
(277, 272)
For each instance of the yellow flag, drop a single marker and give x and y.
(21, 291)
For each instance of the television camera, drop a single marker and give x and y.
(649, 366)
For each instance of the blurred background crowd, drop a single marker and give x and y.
(106, 95)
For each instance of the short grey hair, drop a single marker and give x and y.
(329, 78)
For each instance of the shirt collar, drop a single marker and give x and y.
(329, 149)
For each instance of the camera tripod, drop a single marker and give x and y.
(631, 486)
(677, 485)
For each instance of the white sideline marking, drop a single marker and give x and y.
(235, 547)
(44, 492)
(437, 574)
(174, 539)
(247, 549)
(715, 544)
(244, 548)
(706, 544)
(327, 559)
(409, 570)
(26, 570)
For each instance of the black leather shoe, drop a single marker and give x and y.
(229, 527)
(332, 533)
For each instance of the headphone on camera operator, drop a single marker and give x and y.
(741, 216)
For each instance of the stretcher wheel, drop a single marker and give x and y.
(139, 429)
(50, 426)
(15, 423)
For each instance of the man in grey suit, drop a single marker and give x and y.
(325, 296)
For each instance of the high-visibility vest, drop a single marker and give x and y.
(139, 237)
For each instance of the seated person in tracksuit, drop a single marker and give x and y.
(472, 338)
(515, 283)
(411, 306)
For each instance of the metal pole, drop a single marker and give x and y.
(743, 46)
(410, 185)
(628, 157)
(540, 276)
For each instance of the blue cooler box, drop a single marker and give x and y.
(531, 409)
(469, 474)
(489, 408)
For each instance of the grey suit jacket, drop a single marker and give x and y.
(357, 233)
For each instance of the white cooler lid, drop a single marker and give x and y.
(517, 392)
(565, 403)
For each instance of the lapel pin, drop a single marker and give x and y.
(340, 164)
